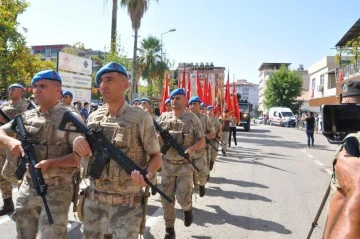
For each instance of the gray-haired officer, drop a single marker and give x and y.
(338, 199)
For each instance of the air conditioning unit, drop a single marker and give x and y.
(320, 88)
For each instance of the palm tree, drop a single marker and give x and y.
(136, 9)
(151, 64)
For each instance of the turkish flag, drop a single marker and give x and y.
(236, 104)
(166, 93)
(228, 100)
(198, 85)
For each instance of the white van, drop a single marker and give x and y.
(281, 116)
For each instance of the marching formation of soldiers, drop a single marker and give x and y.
(114, 204)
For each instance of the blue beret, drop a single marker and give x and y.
(15, 85)
(167, 101)
(66, 92)
(210, 107)
(135, 100)
(46, 75)
(179, 91)
(110, 67)
(203, 105)
(194, 99)
(146, 99)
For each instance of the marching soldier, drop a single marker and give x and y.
(201, 178)
(67, 98)
(203, 107)
(168, 105)
(218, 132)
(16, 105)
(55, 159)
(176, 171)
(135, 102)
(114, 202)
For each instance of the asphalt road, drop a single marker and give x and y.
(268, 186)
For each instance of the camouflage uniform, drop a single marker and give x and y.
(11, 110)
(203, 155)
(48, 142)
(113, 204)
(215, 142)
(176, 171)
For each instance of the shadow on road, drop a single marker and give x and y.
(245, 184)
(218, 192)
(223, 217)
(256, 131)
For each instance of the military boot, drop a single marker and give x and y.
(188, 218)
(201, 191)
(170, 233)
(211, 165)
(7, 207)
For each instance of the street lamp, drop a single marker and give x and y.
(171, 30)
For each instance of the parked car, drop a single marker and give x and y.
(260, 120)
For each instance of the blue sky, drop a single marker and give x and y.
(237, 34)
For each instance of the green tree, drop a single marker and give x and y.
(16, 62)
(151, 64)
(283, 87)
(136, 10)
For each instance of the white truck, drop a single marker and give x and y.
(281, 116)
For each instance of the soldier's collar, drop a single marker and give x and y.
(52, 109)
(121, 111)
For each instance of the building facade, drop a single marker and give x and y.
(249, 91)
(265, 70)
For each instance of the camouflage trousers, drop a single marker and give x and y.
(181, 186)
(111, 221)
(30, 215)
(213, 152)
(201, 177)
(5, 185)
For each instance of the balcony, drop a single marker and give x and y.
(348, 72)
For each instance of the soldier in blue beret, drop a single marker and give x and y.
(203, 163)
(67, 98)
(110, 67)
(203, 108)
(176, 171)
(168, 105)
(58, 164)
(145, 104)
(116, 198)
(16, 104)
(135, 102)
(179, 91)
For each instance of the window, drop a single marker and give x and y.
(313, 83)
(321, 79)
(331, 81)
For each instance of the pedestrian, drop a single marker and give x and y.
(113, 204)
(310, 126)
(340, 198)
(232, 130)
(226, 131)
(16, 105)
(84, 112)
(218, 132)
(53, 149)
(176, 171)
(203, 163)
(316, 123)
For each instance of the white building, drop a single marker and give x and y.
(266, 69)
(249, 91)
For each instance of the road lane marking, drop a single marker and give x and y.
(329, 171)
(153, 218)
(319, 163)
(310, 156)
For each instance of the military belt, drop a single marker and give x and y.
(54, 181)
(178, 162)
(113, 199)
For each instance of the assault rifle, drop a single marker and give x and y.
(32, 105)
(169, 142)
(5, 116)
(104, 150)
(30, 159)
(208, 141)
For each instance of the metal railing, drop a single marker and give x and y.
(348, 71)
